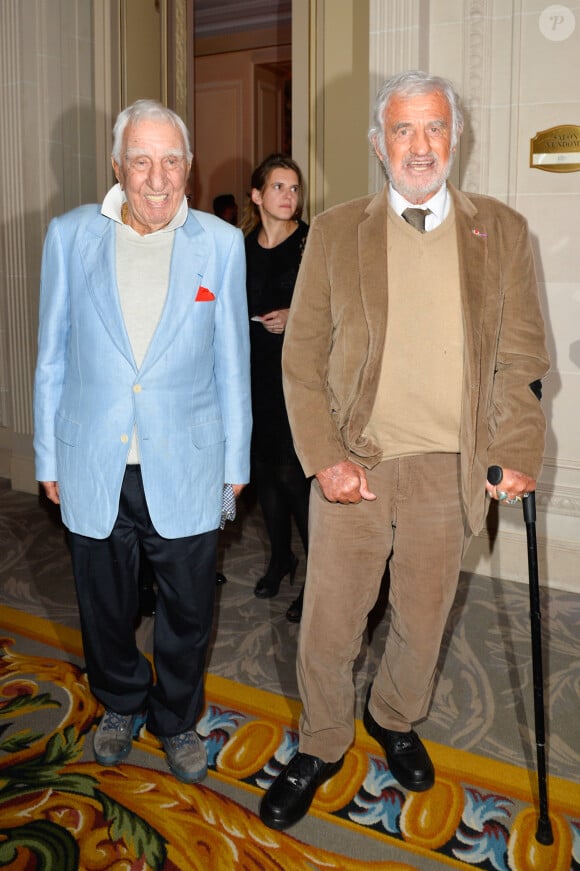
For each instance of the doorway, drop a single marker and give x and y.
(242, 94)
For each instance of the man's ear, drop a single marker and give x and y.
(116, 169)
(378, 152)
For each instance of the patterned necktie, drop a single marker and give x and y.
(416, 218)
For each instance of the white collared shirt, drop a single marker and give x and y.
(439, 204)
(113, 203)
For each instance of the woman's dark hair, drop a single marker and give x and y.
(259, 180)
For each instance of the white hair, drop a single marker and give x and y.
(410, 84)
(146, 110)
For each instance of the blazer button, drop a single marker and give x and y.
(137, 388)
(124, 438)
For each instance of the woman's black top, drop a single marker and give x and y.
(271, 276)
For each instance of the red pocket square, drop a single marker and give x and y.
(204, 295)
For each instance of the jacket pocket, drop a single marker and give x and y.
(209, 433)
(66, 430)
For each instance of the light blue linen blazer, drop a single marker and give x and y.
(190, 399)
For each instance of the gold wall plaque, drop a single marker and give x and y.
(556, 149)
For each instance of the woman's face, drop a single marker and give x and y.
(280, 196)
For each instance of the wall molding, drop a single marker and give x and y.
(475, 96)
(18, 330)
(564, 500)
(505, 557)
(398, 40)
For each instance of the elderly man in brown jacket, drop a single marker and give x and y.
(412, 359)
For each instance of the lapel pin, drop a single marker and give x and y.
(477, 232)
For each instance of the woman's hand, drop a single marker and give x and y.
(275, 322)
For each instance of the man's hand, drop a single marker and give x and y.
(513, 485)
(345, 482)
(237, 488)
(52, 491)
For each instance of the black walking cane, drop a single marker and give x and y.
(544, 830)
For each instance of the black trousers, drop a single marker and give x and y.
(105, 573)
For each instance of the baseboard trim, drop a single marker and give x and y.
(22, 475)
(5, 455)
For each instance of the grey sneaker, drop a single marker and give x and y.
(114, 735)
(186, 756)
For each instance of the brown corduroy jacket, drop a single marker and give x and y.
(335, 337)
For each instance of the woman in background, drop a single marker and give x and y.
(275, 238)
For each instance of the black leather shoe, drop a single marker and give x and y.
(291, 794)
(407, 758)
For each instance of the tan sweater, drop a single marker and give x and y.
(418, 405)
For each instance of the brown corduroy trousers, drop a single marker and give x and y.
(418, 521)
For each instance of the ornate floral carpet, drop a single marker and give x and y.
(59, 810)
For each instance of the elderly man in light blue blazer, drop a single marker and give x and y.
(143, 423)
